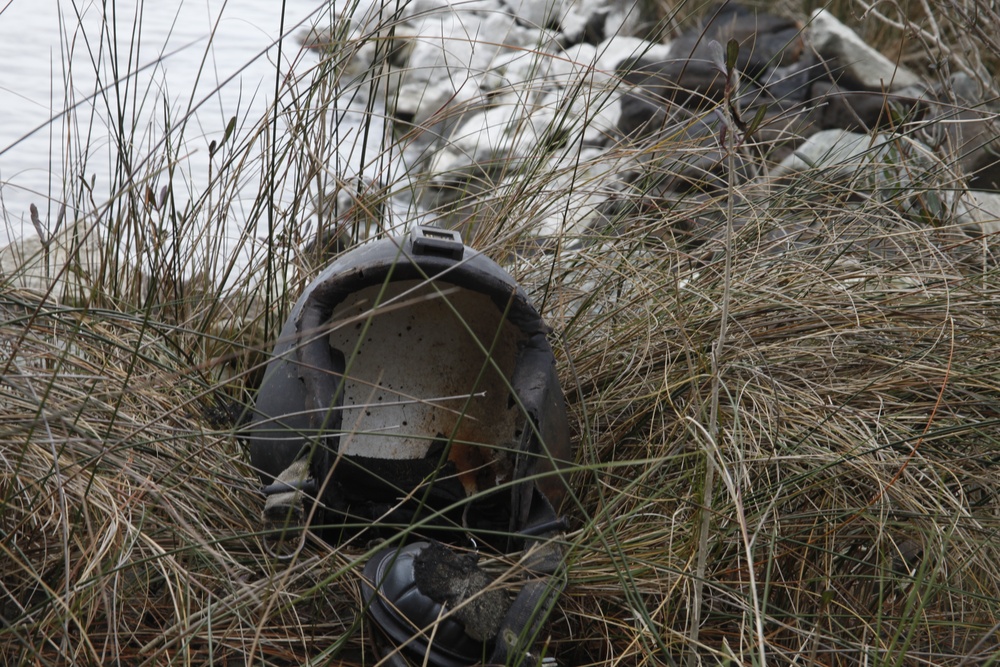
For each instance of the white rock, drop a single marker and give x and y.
(449, 56)
(622, 17)
(594, 88)
(423, 8)
(497, 138)
(839, 152)
(596, 111)
(566, 206)
(531, 118)
(611, 52)
(436, 73)
(537, 14)
(833, 39)
(63, 272)
(537, 96)
(979, 212)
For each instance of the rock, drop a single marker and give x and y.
(838, 152)
(567, 205)
(618, 48)
(803, 91)
(788, 85)
(661, 86)
(693, 75)
(766, 40)
(454, 57)
(966, 128)
(495, 141)
(980, 157)
(647, 106)
(517, 94)
(543, 15)
(860, 66)
(801, 100)
(594, 21)
(979, 213)
(963, 89)
(530, 72)
(419, 8)
(854, 110)
(690, 159)
(63, 271)
(902, 174)
(560, 206)
(957, 130)
(357, 40)
(446, 60)
(546, 102)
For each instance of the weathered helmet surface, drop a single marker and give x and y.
(419, 379)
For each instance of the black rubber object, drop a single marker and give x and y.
(406, 616)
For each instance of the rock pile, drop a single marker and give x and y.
(492, 95)
(568, 120)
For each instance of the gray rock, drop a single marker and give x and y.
(964, 126)
(766, 41)
(690, 159)
(859, 62)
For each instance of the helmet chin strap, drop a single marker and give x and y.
(524, 620)
(544, 560)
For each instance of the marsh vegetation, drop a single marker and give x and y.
(784, 392)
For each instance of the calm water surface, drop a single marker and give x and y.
(219, 56)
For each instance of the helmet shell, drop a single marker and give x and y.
(404, 358)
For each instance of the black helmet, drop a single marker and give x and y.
(415, 368)
(413, 391)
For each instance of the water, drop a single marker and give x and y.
(218, 56)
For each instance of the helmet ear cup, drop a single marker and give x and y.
(399, 593)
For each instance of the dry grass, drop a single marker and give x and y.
(854, 443)
(858, 419)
